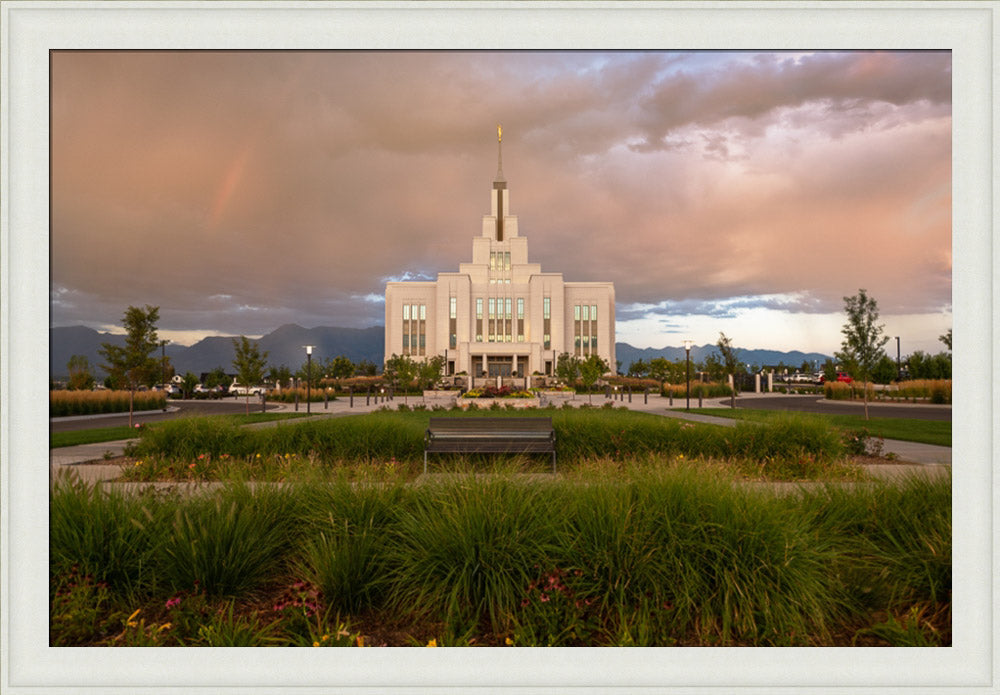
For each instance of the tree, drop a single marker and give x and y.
(946, 339)
(188, 382)
(402, 369)
(638, 368)
(430, 370)
(311, 374)
(659, 369)
(340, 367)
(249, 364)
(567, 367)
(730, 356)
(885, 371)
(714, 367)
(591, 370)
(80, 378)
(132, 363)
(217, 377)
(863, 338)
(365, 368)
(281, 375)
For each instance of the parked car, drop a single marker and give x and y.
(799, 377)
(843, 377)
(241, 390)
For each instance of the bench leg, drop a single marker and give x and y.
(553, 462)
(425, 462)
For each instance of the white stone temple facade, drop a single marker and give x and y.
(500, 315)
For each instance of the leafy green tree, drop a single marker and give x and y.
(80, 376)
(249, 364)
(132, 363)
(885, 371)
(188, 383)
(567, 367)
(713, 367)
(829, 370)
(312, 374)
(217, 377)
(430, 371)
(660, 369)
(281, 375)
(946, 339)
(864, 338)
(591, 370)
(340, 367)
(638, 368)
(365, 368)
(730, 356)
(403, 370)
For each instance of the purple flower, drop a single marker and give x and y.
(175, 601)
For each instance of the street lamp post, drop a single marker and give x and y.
(899, 370)
(687, 349)
(309, 362)
(163, 368)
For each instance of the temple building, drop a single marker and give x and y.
(500, 315)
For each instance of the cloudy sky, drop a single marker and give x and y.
(720, 191)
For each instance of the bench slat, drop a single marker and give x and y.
(490, 435)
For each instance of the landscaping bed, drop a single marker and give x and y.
(643, 555)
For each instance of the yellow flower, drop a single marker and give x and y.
(325, 638)
(315, 644)
(360, 641)
(131, 619)
(510, 642)
(165, 626)
(432, 643)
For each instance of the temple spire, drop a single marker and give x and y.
(499, 177)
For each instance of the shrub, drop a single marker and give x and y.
(63, 403)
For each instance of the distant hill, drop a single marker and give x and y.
(285, 347)
(794, 359)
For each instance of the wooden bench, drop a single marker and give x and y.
(490, 435)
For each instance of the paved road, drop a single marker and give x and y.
(812, 403)
(174, 409)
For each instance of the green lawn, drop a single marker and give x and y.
(904, 429)
(113, 434)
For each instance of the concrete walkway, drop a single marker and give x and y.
(86, 459)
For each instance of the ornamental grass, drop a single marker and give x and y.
(63, 403)
(791, 446)
(648, 556)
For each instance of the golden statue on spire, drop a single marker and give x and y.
(499, 133)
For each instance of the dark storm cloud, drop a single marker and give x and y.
(240, 191)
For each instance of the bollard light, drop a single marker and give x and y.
(687, 349)
(309, 362)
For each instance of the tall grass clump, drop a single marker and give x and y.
(935, 390)
(63, 403)
(676, 556)
(465, 549)
(229, 543)
(789, 446)
(348, 527)
(105, 534)
(711, 389)
(896, 536)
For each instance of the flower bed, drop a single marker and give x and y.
(509, 402)
(492, 392)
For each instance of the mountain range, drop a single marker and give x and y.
(285, 347)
